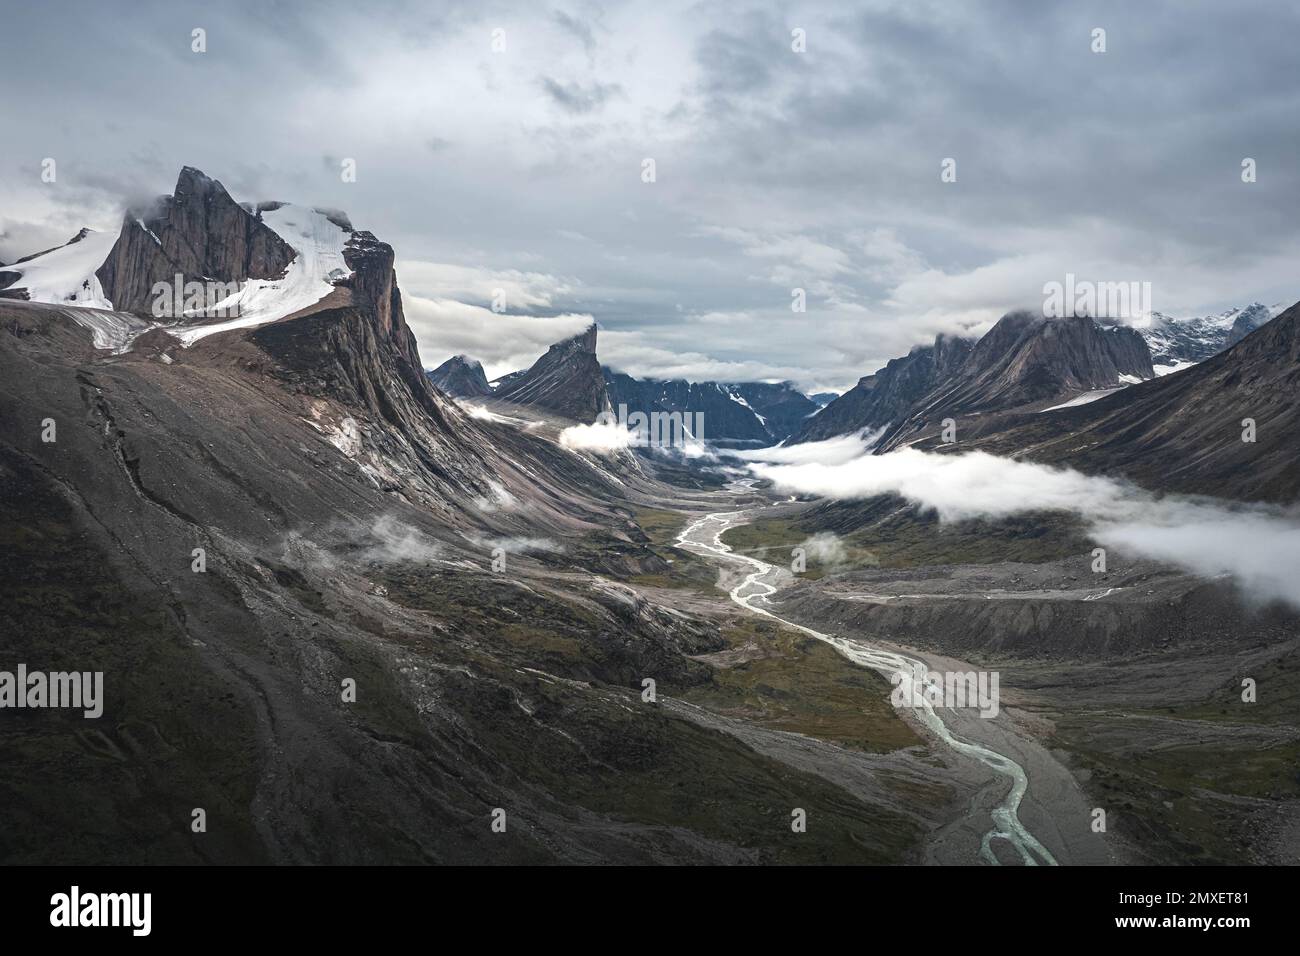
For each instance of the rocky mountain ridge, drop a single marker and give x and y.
(567, 380)
(461, 377)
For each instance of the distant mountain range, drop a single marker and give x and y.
(569, 380)
(1175, 343)
(735, 413)
(1024, 362)
(1179, 432)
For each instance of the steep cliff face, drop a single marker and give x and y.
(889, 395)
(461, 377)
(1026, 358)
(566, 380)
(782, 408)
(739, 413)
(199, 232)
(1182, 432)
(726, 418)
(351, 519)
(347, 517)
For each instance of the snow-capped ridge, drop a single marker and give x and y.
(64, 275)
(318, 266)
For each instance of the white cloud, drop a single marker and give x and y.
(519, 290)
(833, 451)
(601, 437)
(818, 170)
(826, 549)
(1258, 545)
(633, 353)
(501, 341)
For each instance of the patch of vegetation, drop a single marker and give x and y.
(661, 525)
(923, 541)
(532, 627)
(901, 536)
(1181, 804)
(1277, 697)
(686, 570)
(773, 539)
(604, 751)
(634, 762)
(783, 679)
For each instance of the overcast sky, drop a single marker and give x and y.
(521, 169)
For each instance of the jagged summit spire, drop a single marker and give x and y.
(568, 380)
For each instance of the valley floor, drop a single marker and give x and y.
(1144, 732)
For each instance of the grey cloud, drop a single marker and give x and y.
(578, 28)
(579, 98)
(1119, 165)
(1258, 545)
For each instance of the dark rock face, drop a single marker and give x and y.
(566, 380)
(7, 279)
(725, 419)
(1026, 358)
(1247, 321)
(1183, 432)
(217, 450)
(783, 408)
(362, 353)
(752, 413)
(199, 232)
(890, 394)
(461, 377)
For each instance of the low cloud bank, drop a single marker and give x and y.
(832, 451)
(1258, 545)
(602, 437)
(608, 437)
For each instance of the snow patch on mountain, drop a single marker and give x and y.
(1176, 366)
(319, 242)
(1177, 343)
(66, 275)
(1088, 397)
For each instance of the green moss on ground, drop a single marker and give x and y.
(786, 680)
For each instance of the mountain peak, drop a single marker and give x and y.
(568, 380)
(584, 341)
(462, 377)
(199, 233)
